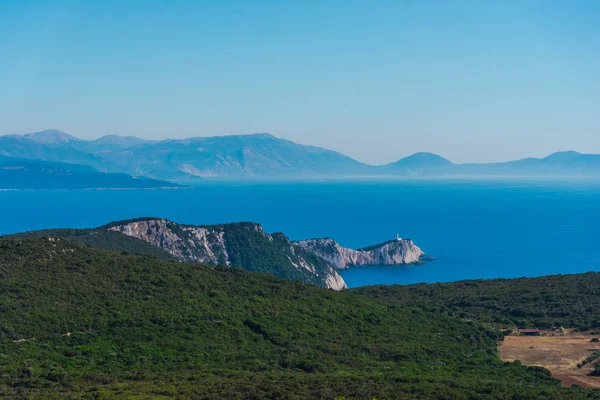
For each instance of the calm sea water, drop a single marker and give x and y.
(474, 229)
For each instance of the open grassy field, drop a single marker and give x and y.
(559, 354)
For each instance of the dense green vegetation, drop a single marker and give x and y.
(257, 253)
(591, 358)
(101, 238)
(86, 323)
(551, 301)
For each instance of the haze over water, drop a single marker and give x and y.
(474, 229)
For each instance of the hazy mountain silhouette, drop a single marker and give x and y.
(51, 136)
(422, 164)
(18, 173)
(261, 156)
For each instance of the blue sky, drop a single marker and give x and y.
(377, 80)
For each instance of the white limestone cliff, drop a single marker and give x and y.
(394, 252)
(208, 244)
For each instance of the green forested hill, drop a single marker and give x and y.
(101, 238)
(550, 301)
(77, 322)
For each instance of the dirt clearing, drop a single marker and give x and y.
(559, 354)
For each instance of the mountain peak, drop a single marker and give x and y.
(423, 158)
(261, 135)
(51, 136)
(119, 140)
(562, 156)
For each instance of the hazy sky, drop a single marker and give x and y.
(471, 80)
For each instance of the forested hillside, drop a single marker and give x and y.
(550, 301)
(101, 238)
(78, 322)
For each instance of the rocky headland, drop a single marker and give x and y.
(246, 245)
(393, 252)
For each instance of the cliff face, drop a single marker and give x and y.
(187, 243)
(394, 252)
(243, 245)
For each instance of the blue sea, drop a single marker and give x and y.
(474, 229)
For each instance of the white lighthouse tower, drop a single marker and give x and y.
(398, 238)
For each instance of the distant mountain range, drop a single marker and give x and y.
(16, 173)
(261, 156)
